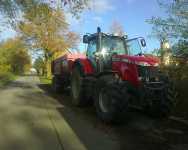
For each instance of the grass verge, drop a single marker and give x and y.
(182, 106)
(6, 78)
(45, 80)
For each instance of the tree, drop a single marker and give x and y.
(75, 7)
(175, 26)
(73, 40)
(14, 8)
(156, 52)
(43, 26)
(181, 48)
(39, 65)
(46, 29)
(14, 56)
(117, 29)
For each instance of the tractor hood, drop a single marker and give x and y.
(144, 60)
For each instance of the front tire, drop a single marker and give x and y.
(167, 102)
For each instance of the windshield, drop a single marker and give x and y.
(134, 47)
(113, 45)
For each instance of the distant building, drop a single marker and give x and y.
(33, 71)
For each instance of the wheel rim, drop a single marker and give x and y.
(104, 102)
(76, 83)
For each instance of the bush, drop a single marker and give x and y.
(6, 77)
(179, 75)
(45, 80)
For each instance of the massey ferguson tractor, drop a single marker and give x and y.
(115, 75)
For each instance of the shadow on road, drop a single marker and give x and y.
(138, 132)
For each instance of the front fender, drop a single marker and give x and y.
(127, 72)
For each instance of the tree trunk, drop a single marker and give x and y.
(47, 69)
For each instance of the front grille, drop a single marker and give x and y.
(147, 72)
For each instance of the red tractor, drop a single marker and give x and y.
(115, 75)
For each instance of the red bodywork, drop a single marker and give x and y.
(125, 65)
(65, 63)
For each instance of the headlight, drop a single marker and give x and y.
(156, 64)
(146, 64)
(143, 64)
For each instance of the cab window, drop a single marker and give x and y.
(92, 47)
(114, 45)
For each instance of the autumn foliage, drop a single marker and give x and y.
(14, 56)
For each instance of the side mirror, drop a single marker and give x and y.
(143, 42)
(125, 36)
(85, 39)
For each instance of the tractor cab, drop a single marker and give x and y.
(135, 46)
(102, 47)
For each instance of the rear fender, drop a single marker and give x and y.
(85, 65)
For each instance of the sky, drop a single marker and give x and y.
(131, 14)
(5, 30)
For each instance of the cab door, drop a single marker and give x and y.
(91, 50)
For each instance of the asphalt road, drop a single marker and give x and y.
(33, 118)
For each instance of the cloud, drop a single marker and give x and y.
(97, 19)
(101, 6)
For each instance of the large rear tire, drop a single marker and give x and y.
(111, 100)
(78, 87)
(56, 87)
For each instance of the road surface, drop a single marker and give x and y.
(33, 118)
